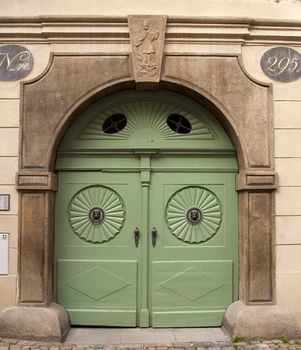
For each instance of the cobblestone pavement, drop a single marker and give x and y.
(283, 344)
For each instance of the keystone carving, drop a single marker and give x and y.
(147, 35)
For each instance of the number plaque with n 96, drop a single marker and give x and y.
(16, 62)
(282, 64)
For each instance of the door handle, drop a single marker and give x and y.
(136, 236)
(154, 236)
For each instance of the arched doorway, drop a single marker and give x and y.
(146, 214)
(244, 110)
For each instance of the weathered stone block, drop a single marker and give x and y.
(35, 323)
(261, 321)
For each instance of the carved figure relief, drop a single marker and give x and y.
(147, 61)
(147, 40)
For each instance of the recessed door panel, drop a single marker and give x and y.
(99, 292)
(190, 293)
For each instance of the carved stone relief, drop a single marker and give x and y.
(147, 40)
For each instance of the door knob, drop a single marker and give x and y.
(154, 236)
(136, 236)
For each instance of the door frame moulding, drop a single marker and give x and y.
(243, 107)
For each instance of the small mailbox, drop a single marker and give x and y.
(4, 253)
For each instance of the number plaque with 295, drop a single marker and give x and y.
(282, 64)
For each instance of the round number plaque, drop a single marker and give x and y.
(16, 62)
(281, 64)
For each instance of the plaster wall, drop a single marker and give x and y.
(9, 150)
(264, 9)
(287, 128)
(9, 128)
(286, 104)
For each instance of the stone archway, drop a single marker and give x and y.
(48, 108)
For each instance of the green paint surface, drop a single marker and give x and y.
(193, 283)
(146, 177)
(100, 277)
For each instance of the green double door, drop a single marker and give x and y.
(149, 247)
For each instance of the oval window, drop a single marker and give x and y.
(114, 123)
(179, 123)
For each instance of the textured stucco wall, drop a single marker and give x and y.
(264, 9)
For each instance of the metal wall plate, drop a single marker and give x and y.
(4, 202)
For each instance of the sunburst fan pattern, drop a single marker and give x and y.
(143, 115)
(108, 202)
(177, 214)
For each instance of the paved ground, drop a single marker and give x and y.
(150, 339)
(145, 335)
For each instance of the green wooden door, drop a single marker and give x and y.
(160, 164)
(96, 258)
(192, 263)
(181, 272)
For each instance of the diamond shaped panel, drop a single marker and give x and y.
(192, 284)
(97, 283)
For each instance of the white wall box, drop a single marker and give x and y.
(4, 237)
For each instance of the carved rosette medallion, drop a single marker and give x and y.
(194, 214)
(147, 35)
(96, 214)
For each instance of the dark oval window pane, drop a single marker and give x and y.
(114, 123)
(179, 124)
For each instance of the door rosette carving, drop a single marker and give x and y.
(96, 214)
(194, 214)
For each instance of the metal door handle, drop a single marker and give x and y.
(154, 236)
(137, 236)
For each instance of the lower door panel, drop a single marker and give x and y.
(190, 293)
(97, 292)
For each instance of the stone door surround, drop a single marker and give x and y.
(71, 82)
